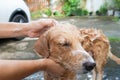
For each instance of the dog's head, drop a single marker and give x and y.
(63, 45)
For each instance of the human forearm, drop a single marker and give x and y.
(32, 29)
(19, 69)
(8, 30)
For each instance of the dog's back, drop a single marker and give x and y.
(97, 44)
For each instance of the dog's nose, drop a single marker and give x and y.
(89, 65)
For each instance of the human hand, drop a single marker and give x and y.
(53, 68)
(36, 28)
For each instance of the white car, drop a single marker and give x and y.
(14, 11)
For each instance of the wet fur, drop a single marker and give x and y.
(98, 45)
(92, 41)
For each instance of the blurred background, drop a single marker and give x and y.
(62, 8)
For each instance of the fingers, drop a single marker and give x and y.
(48, 22)
(39, 27)
(56, 71)
(54, 68)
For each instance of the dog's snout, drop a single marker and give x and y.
(89, 65)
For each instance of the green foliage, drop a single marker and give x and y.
(58, 14)
(67, 9)
(47, 11)
(70, 6)
(84, 12)
(98, 13)
(114, 39)
(73, 3)
(80, 12)
(36, 14)
(117, 4)
(115, 19)
(90, 13)
(103, 9)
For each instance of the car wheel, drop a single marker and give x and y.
(19, 18)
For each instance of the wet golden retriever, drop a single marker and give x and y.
(63, 45)
(75, 49)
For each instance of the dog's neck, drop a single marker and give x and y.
(68, 75)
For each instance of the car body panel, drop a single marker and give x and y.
(8, 7)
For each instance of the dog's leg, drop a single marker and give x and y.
(99, 70)
(94, 76)
(99, 76)
(100, 50)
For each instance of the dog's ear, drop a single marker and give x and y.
(42, 46)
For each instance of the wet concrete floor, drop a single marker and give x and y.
(10, 49)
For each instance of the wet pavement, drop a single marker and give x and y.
(10, 49)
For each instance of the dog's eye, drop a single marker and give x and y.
(66, 44)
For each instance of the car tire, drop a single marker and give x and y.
(19, 18)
